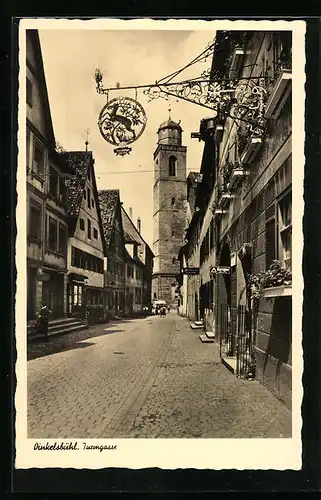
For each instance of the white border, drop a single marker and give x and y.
(278, 454)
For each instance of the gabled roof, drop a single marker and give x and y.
(108, 202)
(33, 36)
(131, 233)
(79, 163)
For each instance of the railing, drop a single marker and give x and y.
(245, 357)
(238, 346)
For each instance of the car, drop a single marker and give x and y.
(157, 305)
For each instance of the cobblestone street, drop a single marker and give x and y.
(144, 378)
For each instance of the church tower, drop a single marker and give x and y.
(169, 198)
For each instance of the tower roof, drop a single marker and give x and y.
(169, 124)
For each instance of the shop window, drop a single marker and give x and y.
(95, 234)
(35, 221)
(82, 224)
(285, 230)
(29, 92)
(62, 239)
(52, 234)
(53, 182)
(89, 229)
(38, 160)
(172, 166)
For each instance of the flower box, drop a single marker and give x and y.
(251, 149)
(277, 291)
(282, 86)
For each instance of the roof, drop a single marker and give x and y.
(131, 233)
(79, 163)
(108, 201)
(194, 177)
(35, 41)
(169, 124)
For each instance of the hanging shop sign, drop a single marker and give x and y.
(191, 271)
(121, 122)
(220, 270)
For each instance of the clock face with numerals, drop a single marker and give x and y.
(122, 121)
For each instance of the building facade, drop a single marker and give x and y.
(139, 267)
(46, 194)
(169, 199)
(115, 253)
(85, 242)
(245, 211)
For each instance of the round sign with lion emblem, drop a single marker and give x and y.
(122, 121)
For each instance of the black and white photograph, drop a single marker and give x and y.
(159, 282)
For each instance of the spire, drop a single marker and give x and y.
(87, 142)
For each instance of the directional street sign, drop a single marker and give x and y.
(220, 270)
(191, 270)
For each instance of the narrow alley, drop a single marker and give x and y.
(144, 378)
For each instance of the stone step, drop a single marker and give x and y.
(62, 326)
(210, 335)
(198, 323)
(205, 339)
(63, 331)
(196, 327)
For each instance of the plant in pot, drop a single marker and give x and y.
(276, 275)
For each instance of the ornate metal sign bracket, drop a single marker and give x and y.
(123, 119)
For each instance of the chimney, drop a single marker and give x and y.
(139, 224)
(130, 212)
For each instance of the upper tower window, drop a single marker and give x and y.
(172, 166)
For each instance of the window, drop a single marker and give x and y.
(173, 260)
(29, 92)
(53, 182)
(285, 230)
(62, 190)
(38, 160)
(89, 229)
(88, 197)
(173, 233)
(270, 253)
(85, 194)
(62, 239)
(92, 203)
(95, 233)
(52, 240)
(35, 221)
(89, 173)
(28, 138)
(82, 224)
(173, 201)
(172, 166)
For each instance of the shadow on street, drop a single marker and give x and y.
(39, 348)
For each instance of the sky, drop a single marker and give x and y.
(130, 57)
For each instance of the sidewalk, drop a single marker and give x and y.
(194, 395)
